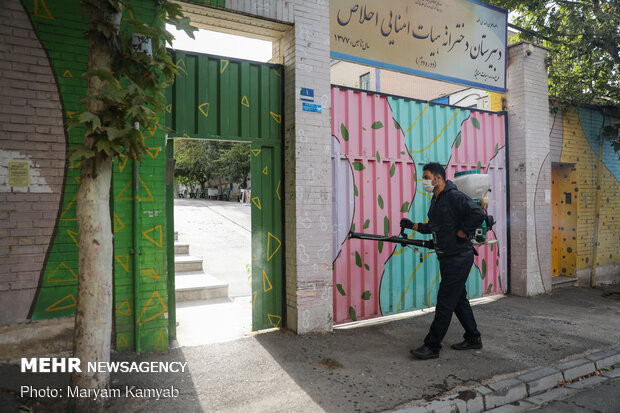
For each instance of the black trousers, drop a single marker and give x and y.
(452, 298)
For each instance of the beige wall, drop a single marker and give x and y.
(393, 83)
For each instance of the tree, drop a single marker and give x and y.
(583, 37)
(234, 162)
(124, 87)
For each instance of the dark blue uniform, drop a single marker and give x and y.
(449, 212)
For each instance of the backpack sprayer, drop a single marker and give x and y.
(472, 183)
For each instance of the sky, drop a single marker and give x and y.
(222, 44)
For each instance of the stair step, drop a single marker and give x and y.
(181, 248)
(194, 286)
(187, 263)
(560, 281)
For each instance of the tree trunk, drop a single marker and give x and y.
(93, 318)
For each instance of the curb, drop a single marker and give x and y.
(530, 390)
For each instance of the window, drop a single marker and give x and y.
(365, 81)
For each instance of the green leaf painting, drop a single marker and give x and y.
(496, 148)
(396, 125)
(367, 267)
(457, 143)
(352, 314)
(405, 207)
(484, 268)
(377, 125)
(380, 202)
(355, 191)
(358, 166)
(386, 226)
(380, 246)
(366, 295)
(366, 224)
(378, 157)
(475, 122)
(392, 170)
(341, 290)
(358, 259)
(353, 227)
(479, 166)
(490, 289)
(344, 132)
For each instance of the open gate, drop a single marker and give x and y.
(235, 100)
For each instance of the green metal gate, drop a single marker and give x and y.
(235, 100)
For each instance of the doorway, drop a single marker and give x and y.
(212, 246)
(564, 220)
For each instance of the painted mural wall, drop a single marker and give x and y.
(380, 146)
(576, 155)
(62, 51)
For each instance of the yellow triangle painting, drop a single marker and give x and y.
(256, 152)
(266, 282)
(62, 304)
(265, 171)
(122, 162)
(67, 74)
(41, 10)
(169, 108)
(275, 320)
(150, 273)
(118, 224)
(223, 65)
(161, 342)
(124, 308)
(122, 342)
(256, 201)
(62, 274)
(158, 239)
(278, 190)
(148, 303)
(123, 260)
(277, 118)
(204, 109)
(271, 245)
(153, 152)
(245, 102)
(74, 236)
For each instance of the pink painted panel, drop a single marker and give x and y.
(383, 178)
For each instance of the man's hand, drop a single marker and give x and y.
(461, 234)
(406, 223)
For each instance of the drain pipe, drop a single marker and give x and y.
(136, 252)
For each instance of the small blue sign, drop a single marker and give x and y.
(306, 95)
(311, 107)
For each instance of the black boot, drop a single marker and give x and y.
(466, 345)
(424, 353)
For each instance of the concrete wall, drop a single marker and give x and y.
(530, 170)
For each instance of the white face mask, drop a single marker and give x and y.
(427, 184)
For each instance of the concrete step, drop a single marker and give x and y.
(187, 263)
(561, 281)
(181, 248)
(197, 285)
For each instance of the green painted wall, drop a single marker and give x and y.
(60, 27)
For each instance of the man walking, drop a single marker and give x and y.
(453, 218)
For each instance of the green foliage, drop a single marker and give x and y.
(198, 162)
(125, 86)
(583, 38)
